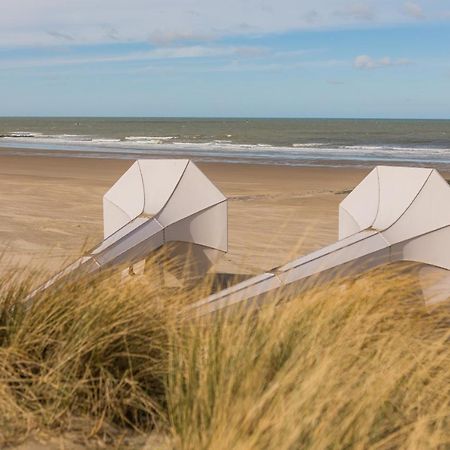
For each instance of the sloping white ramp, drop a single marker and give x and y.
(153, 203)
(394, 214)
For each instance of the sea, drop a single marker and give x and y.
(296, 142)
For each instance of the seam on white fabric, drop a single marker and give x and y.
(143, 187)
(379, 197)
(117, 206)
(412, 201)
(353, 217)
(174, 189)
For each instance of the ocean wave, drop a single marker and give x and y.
(226, 149)
(149, 138)
(309, 144)
(105, 140)
(21, 134)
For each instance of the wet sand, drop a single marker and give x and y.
(51, 208)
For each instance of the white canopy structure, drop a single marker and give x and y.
(153, 203)
(394, 214)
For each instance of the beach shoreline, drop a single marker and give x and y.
(313, 157)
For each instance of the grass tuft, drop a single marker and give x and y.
(356, 364)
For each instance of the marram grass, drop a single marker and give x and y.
(357, 364)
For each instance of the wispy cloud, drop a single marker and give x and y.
(414, 10)
(366, 62)
(59, 35)
(160, 53)
(301, 52)
(169, 37)
(358, 11)
(277, 65)
(312, 17)
(267, 66)
(52, 22)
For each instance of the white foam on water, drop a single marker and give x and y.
(308, 145)
(149, 138)
(23, 134)
(105, 141)
(225, 149)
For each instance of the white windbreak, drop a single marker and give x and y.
(153, 203)
(394, 214)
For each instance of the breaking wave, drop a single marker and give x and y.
(223, 149)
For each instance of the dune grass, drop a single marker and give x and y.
(357, 364)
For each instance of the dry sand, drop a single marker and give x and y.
(51, 208)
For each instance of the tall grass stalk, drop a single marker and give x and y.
(358, 364)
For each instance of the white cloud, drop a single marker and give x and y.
(359, 11)
(262, 65)
(366, 62)
(161, 53)
(414, 10)
(164, 22)
(302, 52)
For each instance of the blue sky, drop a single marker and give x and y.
(251, 58)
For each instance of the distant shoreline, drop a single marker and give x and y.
(412, 119)
(280, 142)
(6, 151)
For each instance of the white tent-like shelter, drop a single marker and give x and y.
(156, 202)
(394, 214)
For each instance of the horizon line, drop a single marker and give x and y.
(219, 117)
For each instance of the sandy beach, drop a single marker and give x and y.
(51, 208)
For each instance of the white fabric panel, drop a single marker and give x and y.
(81, 266)
(347, 224)
(212, 254)
(134, 246)
(361, 204)
(430, 248)
(208, 228)
(160, 177)
(245, 290)
(189, 262)
(327, 250)
(435, 284)
(128, 195)
(398, 188)
(119, 234)
(364, 248)
(193, 193)
(114, 218)
(85, 262)
(428, 211)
